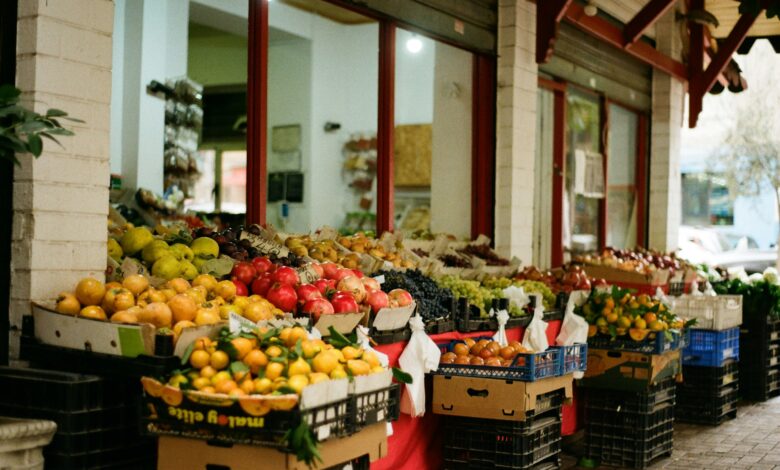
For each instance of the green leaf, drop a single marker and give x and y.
(35, 144)
(303, 444)
(53, 112)
(187, 353)
(228, 347)
(47, 136)
(286, 390)
(401, 376)
(238, 366)
(338, 340)
(9, 93)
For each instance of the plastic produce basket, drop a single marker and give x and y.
(527, 367)
(711, 348)
(573, 358)
(657, 344)
(711, 410)
(711, 312)
(630, 453)
(698, 378)
(374, 407)
(646, 401)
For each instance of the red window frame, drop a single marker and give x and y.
(560, 89)
(483, 122)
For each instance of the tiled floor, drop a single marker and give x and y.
(752, 441)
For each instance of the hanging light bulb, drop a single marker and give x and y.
(414, 45)
(591, 9)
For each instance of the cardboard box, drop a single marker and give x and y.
(618, 276)
(507, 400)
(191, 454)
(629, 371)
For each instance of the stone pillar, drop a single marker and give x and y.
(516, 128)
(60, 200)
(664, 206)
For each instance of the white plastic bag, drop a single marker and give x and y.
(365, 343)
(709, 291)
(420, 356)
(535, 337)
(695, 289)
(516, 296)
(574, 328)
(500, 337)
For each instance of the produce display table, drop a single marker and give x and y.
(417, 442)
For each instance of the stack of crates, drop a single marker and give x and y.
(97, 418)
(710, 389)
(759, 374)
(473, 443)
(630, 429)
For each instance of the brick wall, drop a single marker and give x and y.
(516, 128)
(61, 199)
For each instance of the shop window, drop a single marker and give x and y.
(543, 174)
(622, 200)
(322, 115)
(433, 136)
(706, 200)
(584, 185)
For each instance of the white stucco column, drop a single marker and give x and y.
(516, 128)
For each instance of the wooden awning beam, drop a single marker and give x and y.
(548, 14)
(613, 35)
(646, 17)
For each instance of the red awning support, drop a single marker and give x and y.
(548, 14)
(646, 17)
(702, 80)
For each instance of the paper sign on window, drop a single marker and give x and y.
(589, 174)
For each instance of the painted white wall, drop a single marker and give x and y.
(117, 86)
(451, 162)
(414, 80)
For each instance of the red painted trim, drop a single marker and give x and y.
(385, 207)
(646, 17)
(604, 104)
(551, 84)
(559, 167)
(483, 152)
(613, 35)
(726, 51)
(257, 105)
(695, 65)
(548, 14)
(641, 180)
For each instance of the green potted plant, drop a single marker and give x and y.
(22, 130)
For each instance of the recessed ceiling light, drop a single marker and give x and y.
(414, 45)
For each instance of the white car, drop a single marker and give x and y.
(707, 245)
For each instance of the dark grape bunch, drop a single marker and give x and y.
(484, 252)
(454, 261)
(420, 252)
(433, 302)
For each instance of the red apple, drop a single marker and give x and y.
(342, 273)
(401, 297)
(371, 284)
(261, 285)
(317, 307)
(283, 297)
(329, 270)
(262, 264)
(325, 285)
(241, 288)
(377, 300)
(286, 275)
(244, 271)
(354, 286)
(343, 302)
(307, 292)
(317, 267)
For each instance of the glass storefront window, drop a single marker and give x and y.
(543, 174)
(433, 131)
(622, 207)
(581, 208)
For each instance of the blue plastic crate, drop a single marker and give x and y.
(656, 342)
(711, 348)
(526, 367)
(573, 358)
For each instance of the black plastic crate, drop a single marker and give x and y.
(709, 378)
(64, 391)
(360, 463)
(519, 322)
(374, 407)
(94, 440)
(442, 325)
(478, 443)
(141, 456)
(77, 421)
(708, 409)
(656, 342)
(632, 402)
(759, 383)
(630, 453)
(391, 336)
(631, 426)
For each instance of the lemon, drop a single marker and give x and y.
(115, 250)
(135, 239)
(205, 248)
(299, 367)
(182, 252)
(298, 383)
(166, 267)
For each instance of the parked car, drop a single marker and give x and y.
(707, 245)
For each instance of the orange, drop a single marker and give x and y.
(205, 280)
(298, 383)
(123, 300)
(242, 345)
(612, 317)
(226, 386)
(135, 283)
(208, 372)
(237, 393)
(373, 360)
(256, 311)
(183, 308)
(206, 316)
(180, 285)
(90, 291)
(338, 373)
(274, 370)
(247, 385)
(640, 323)
(156, 313)
(123, 316)
(298, 367)
(325, 362)
(94, 312)
(273, 351)
(256, 360)
(219, 360)
(202, 343)
(650, 317)
(638, 334)
(68, 303)
(225, 289)
(254, 407)
(263, 385)
(358, 367)
(201, 382)
(316, 377)
(199, 359)
(297, 334)
(351, 353)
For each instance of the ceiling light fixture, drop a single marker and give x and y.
(591, 9)
(414, 45)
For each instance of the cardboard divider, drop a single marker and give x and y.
(629, 371)
(393, 318)
(342, 322)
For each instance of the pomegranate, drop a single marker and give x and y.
(244, 271)
(377, 300)
(262, 265)
(241, 288)
(307, 292)
(286, 275)
(283, 297)
(318, 269)
(317, 307)
(401, 297)
(354, 286)
(357, 273)
(371, 284)
(325, 285)
(343, 302)
(342, 273)
(329, 270)
(261, 285)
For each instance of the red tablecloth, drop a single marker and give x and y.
(416, 443)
